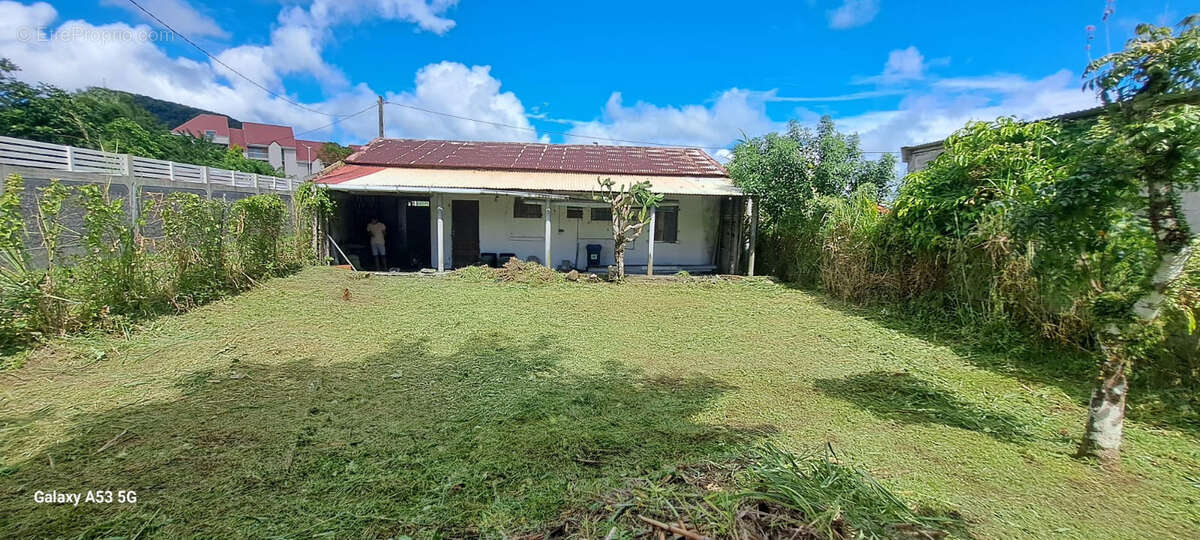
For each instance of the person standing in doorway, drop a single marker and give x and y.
(378, 232)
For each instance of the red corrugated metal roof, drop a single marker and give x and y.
(581, 158)
(308, 150)
(347, 172)
(237, 138)
(265, 134)
(204, 122)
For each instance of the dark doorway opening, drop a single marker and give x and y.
(464, 233)
(407, 240)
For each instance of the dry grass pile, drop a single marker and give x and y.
(515, 271)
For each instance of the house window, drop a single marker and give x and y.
(523, 209)
(602, 214)
(257, 152)
(666, 224)
(574, 212)
(210, 134)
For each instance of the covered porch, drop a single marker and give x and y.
(444, 228)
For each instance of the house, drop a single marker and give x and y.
(920, 156)
(264, 142)
(448, 204)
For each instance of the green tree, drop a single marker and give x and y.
(1149, 139)
(331, 153)
(787, 172)
(631, 210)
(41, 112)
(124, 136)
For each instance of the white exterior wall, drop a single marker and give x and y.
(500, 232)
(275, 155)
(919, 159)
(290, 167)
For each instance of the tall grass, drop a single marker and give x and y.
(106, 273)
(832, 499)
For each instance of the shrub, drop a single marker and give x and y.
(19, 284)
(118, 276)
(114, 277)
(257, 227)
(194, 247)
(852, 262)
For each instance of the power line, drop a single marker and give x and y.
(564, 133)
(335, 122)
(227, 66)
(413, 107)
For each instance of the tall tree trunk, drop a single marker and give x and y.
(1106, 410)
(619, 254)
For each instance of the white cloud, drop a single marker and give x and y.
(853, 96)
(83, 54)
(18, 20)
(932, 114)
(181, 15)
(297, 44)
(930, 111)
(453, 88)
(926, 114)
(853, 13)
(426, 14)
(724, 120)
(903, 65)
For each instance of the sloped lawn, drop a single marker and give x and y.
(329, 405)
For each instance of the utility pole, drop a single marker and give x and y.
(380, 117)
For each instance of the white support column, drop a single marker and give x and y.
(549, 225)
(753, 235)
(127, 165)
(171, 170)
(70, 158)
(207, 183)
(650, 242)
(441, 239)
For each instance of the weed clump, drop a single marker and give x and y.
(769, 493)
(818, 496)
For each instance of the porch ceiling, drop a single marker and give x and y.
(370, 178)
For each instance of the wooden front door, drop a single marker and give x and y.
(464, 233)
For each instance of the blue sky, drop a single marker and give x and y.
(690, 73)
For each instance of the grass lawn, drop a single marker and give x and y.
(421, 404)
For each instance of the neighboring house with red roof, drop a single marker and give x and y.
(456, 203)
(264, 142)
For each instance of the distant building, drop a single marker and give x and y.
(264, 142)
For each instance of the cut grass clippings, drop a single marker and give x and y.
(322, 404)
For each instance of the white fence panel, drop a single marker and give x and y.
(26, 153)
(35, 154)
(242, 179)
(84, 160)
(185, 172)
(220, 177)
(151, 168)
